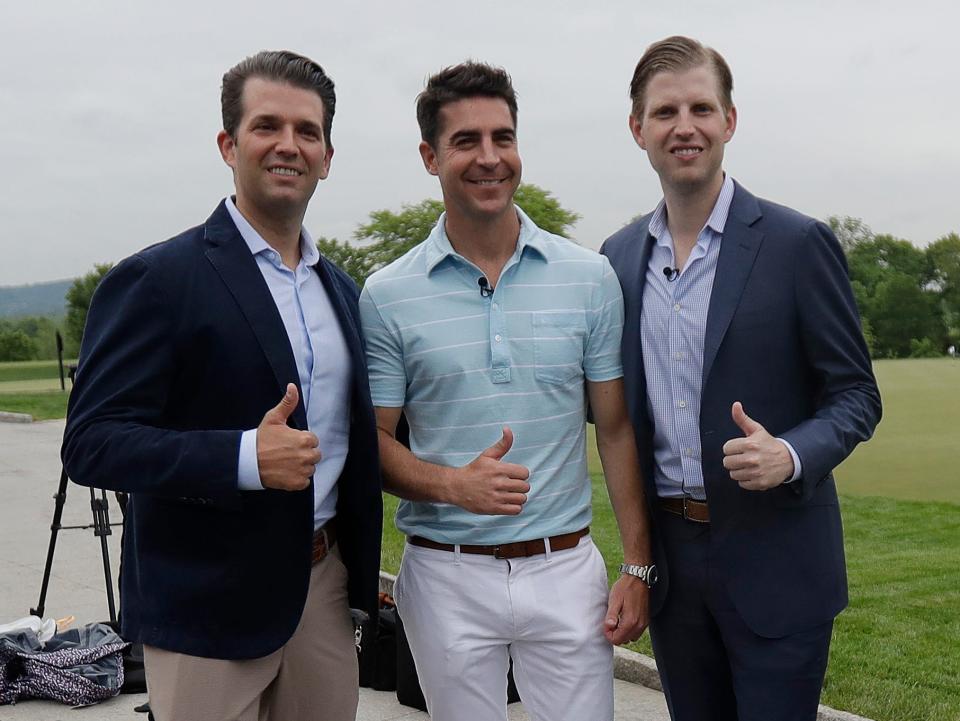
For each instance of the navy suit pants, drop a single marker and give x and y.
(712, 666)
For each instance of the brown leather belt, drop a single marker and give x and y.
(688, 508)
(519, 549)
(324, 539)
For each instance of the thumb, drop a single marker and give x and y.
(744, 422)
(279, 414)
(499, 449)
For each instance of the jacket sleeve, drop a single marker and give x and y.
(117, 433)
(848, 407)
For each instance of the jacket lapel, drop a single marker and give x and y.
(738, 251)
(237, 268)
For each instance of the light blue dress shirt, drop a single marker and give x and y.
(323, 363)
(673, 322)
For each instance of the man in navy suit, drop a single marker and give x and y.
(748, 382)
(222, 383)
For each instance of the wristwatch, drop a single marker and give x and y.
(647, 574)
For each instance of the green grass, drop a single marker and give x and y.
(914, 453)
(42, 406)
(31, 370)
(896, 649)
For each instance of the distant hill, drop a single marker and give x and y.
(46, 299)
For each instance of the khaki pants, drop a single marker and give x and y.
(313, 677)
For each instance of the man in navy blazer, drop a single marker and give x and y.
(222, 383)
(748, 382)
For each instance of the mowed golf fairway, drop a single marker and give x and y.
(915, 452)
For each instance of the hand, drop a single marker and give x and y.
(286, 457)
(489, 486)
(628, 611)
(759, 461)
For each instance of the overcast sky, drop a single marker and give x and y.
(109, 110)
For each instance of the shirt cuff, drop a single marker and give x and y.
(248, 471)
(797, 469)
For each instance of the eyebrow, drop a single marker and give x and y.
(471, 133)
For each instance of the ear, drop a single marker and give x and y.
(429, 157)
(227, 147)
(325, 168)
(731, 123)
(636, 130)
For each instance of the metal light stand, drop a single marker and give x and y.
(100, 508)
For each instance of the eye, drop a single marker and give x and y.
(702, 109)
(663, 113)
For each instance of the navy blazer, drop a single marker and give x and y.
(782, 336)
(183, 350)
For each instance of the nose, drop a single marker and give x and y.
(489, 155)
(684, 125)
(286, 141)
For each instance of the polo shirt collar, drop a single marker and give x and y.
(437, 246)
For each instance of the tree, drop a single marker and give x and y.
(389, 235)
(849, 231)
(891, 280)
(902, 314)
(944, 257)
(78, 302)
(15, 345)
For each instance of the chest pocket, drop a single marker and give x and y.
(558, 342)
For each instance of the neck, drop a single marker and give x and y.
(687, 212)
(282, 233)
(486, 243)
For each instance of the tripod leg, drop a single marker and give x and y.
(59, 499)
(101, 528)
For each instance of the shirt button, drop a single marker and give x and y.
(688, 451)
(678, 356)
(683, 404)
(676, 307)
(494, 306)
(498, 337)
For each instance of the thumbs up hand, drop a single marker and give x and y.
(758, 461)
(488, 485)
(286, 457)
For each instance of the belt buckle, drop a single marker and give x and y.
(326, 544)
(496, 553)
(687, 517)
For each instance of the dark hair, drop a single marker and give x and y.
(282, 66)
(466, 80)
(675, 54)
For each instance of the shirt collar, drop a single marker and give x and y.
(309, 255)
(716, 222)
(437, 246)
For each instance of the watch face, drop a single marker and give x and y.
(652, 575)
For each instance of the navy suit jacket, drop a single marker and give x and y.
(782, 336)
(184, 349)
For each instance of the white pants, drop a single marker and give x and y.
(464, 614)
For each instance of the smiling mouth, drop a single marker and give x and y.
(290, 172)
(686, 152)
(488, 181)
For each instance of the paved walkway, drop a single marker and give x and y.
(29, 473)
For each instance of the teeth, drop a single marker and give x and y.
(486, 182)
(284, 171)
(686, 151)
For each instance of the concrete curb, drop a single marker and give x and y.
(642, 670)
(10, 417)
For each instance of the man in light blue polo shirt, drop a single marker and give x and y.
(491, 337)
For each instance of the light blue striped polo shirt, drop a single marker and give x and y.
(462, 366)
